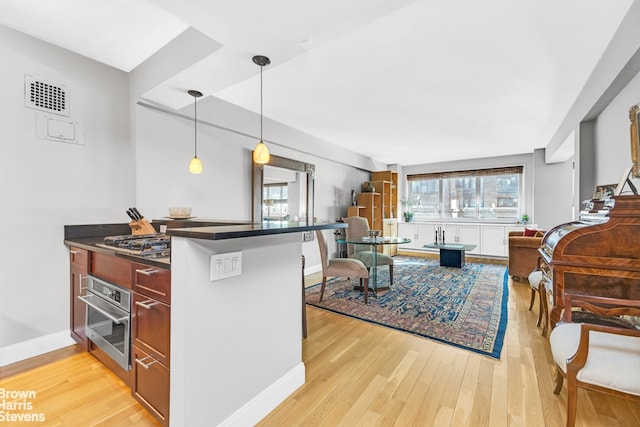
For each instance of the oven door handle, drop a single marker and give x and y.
(85, 299)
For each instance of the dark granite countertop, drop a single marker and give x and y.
(89, 236)
(267, 228)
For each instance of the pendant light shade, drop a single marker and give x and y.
(261, 152)
(195, 165)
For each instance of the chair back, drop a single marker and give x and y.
(323, 251)
(358, 227)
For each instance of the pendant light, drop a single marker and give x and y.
(195, 165)
(261, 153)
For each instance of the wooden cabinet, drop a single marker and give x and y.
(151, 338)
(79, 269)
(380, 207)
(389, 229)
(150, 384)
(111, 268)
(371, 208)
(389, 191)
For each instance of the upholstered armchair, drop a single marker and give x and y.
(523, 252)
(595, 357)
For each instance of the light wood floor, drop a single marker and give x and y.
(357, 374)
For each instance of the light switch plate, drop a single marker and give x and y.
(225, 265)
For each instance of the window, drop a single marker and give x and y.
(475, 194)
(276, 201)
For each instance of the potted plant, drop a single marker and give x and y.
(524, 219)
(408, 216)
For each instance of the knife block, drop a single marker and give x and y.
(141, 227)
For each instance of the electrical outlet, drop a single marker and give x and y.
(225, 265)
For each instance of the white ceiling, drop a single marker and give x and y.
(402, 81)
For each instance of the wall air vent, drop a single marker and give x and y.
(46, 96)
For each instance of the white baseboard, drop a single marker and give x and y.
(265, 402)
(312, 269)
(35, 347)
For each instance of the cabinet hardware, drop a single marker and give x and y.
(80, 288)
(146, 365)
(147, 304)
(74, 252)
(86, 300)
(147, 271)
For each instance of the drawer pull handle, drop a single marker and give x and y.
(146, 365)
(80, 279)
(74, 252)
(147, 271)
(147, 304)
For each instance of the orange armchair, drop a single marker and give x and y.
(523, 253)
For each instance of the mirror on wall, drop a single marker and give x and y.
(282, 190)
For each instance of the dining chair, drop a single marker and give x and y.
(359, 227)
(341, 267)
(594, 356)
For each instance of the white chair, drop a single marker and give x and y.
(341, 267)
(596, 357)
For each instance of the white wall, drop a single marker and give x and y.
(552, 192)
(61, 184)
(613, 149)
(164, 146)
(46, 185)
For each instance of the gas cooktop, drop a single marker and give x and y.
(146, 245)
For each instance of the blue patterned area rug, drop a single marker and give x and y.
(465, 307)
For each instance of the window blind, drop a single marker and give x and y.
(509, 170)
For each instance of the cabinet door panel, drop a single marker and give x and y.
(79, 260)
(150, 384)
(425, 235)
(111, 268)
(493, 241)
(469, 235)
(152, 281)
(407, 229)
(151, 327)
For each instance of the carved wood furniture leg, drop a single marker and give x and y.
(533, 298)
(559, 380)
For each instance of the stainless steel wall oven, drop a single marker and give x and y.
(108, 319)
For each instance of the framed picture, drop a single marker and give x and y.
(634, 116)
(604, 191)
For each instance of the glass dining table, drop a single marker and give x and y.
(374, 243)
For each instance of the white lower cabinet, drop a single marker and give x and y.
(493, 240)
(489, 239)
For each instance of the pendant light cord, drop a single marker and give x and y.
(261, 67)
(195, 124)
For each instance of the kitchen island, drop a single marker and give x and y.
(205, 352)
(236, 348)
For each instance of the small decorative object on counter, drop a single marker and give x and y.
(354, 200)
(524, 219)
(179, 213)
(408, 216)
